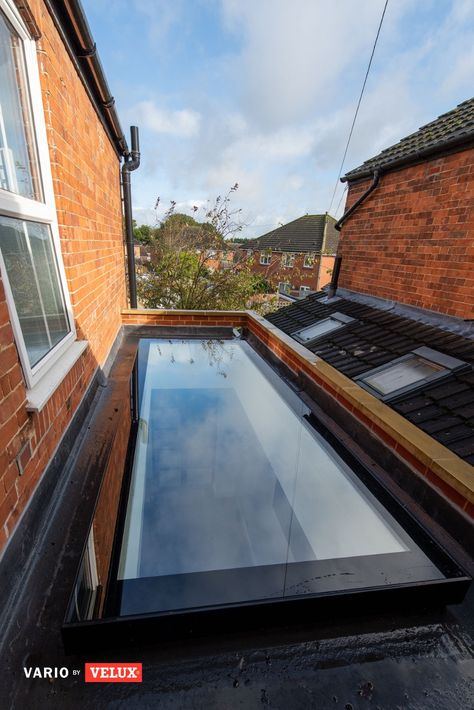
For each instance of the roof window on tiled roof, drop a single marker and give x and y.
(408, 373)
(316, 330)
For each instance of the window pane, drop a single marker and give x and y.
(32, 272)
(402, 374)
(324, 326)
(18, 161)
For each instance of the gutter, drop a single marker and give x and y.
(459, 141)
(73, 28)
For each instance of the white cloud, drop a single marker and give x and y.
(277, 120)
(184, 123)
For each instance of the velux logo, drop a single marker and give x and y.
(113, 673)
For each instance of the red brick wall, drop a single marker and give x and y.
(85, 172)
(413, 239)
(315, 278)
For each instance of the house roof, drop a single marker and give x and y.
(443, 409)
(305, 234)
(451, 129)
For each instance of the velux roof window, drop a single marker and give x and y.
(335, 321)
(409, 372)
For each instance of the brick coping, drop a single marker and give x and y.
(430, 458)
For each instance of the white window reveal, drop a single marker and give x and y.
(304, 290)
(30, 256)
(288, 260)
(321, 327)
(265, 258)
(409, 372)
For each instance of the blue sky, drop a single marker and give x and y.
(262, 92)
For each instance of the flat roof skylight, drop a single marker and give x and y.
(231, 500)
(311, 332)
(409, 372)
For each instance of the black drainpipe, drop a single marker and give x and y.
(351, 210)
(131, 162)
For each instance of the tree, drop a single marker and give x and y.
(143, 233)
(179, 273)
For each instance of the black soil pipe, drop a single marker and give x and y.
(335, 277)
(132, 161)
(351, 210)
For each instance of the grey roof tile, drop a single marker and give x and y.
(443, 409)
(305, 234)
(455, 125)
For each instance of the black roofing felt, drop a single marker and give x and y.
(449, 127)
(305, 234)
(443, 409)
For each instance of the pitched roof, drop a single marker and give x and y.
(453, 128)
(305, 234)
(443, 409)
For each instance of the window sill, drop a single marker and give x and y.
(38, 396)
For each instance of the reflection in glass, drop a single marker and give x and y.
(18, 160)
(33, 276)
(227, 475)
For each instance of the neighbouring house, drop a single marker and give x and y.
(61, 236)
(223, 258)
(143, 256)
(297, 258)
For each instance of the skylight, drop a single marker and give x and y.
(409, 372)
(335, 321)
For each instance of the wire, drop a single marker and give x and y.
(358, 104)
(339, 203)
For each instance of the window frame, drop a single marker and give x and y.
(265, 258)
(284, 291)
(309, 255)
(341, 319)
(291, 256)
(41, 211)
(448, 363)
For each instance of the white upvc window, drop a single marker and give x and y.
(30, 254)
(288, 260)
(309, 261)
(265, 258)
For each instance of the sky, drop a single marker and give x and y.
(263, 92)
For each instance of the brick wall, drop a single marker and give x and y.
(413, 239)
(315, 278)
(85, 171)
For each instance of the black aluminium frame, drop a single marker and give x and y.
(309, 608)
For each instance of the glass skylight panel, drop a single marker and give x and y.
(335, 321)
(409, 372)
(231, 497)
(403, 374)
